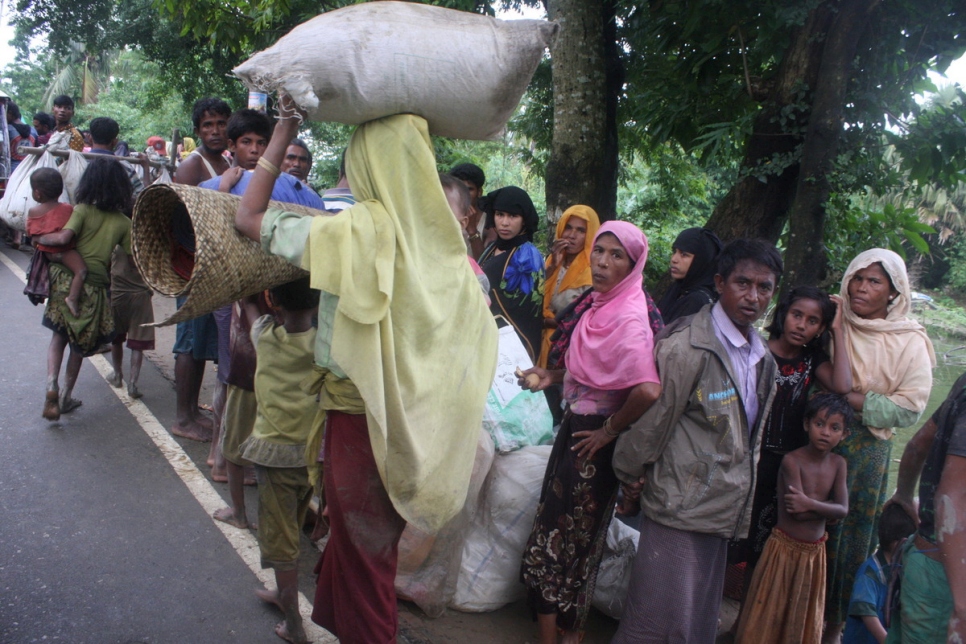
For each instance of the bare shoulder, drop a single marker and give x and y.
(189, 170)
(838, 461)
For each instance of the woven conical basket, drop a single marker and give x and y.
(227, 266)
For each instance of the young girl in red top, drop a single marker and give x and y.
(49, 216)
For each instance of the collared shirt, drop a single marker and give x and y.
(287, 188)
(337, 199)
(136, 184)
(745, 354)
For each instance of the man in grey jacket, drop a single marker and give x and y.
(692, 456)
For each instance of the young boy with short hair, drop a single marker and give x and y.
(866, 621)
(285, 358)
(786, 600)
(50, 216)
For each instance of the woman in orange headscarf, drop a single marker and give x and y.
(568, 268)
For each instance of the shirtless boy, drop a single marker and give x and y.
(786, 600)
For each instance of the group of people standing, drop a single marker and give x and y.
(678, 410)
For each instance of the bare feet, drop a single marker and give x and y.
(250, 476)
(227, 515)
(269, 597)
(133, 391)
(116, 379)
(72, 306)
(219, 475)
(68, 404)
(296, 634)
(192, 431)
(205, 422)
(51, 407)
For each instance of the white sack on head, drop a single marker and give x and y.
(463, 72)
(18, 198)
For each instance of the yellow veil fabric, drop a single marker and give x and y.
(577, 275)
(894, 356)
(412, 330)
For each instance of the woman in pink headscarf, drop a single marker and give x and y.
(609, 381)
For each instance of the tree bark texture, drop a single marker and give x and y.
(757, 205)
(805, 259)
(583, 161)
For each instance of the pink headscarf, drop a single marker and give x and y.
(612, 346)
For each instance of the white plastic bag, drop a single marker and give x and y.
(463, 72)
(515, 417)
(18, 199)
(72, 171)
(429, 565)
(490, 570)
(614, 574)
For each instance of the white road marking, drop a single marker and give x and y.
(244, 543)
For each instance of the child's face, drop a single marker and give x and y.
(825, 431)
(803, 322)
(248, 149)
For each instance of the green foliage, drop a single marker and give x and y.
(933, 150)
(956, 254)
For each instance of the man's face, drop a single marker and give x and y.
(248, 149)
(41, 128)
(746, 293)
(213, 131)
(296, 162)
(63, 114)
(474, 191)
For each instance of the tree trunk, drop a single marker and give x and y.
(805, 259)
(583, 161)
(758, 203)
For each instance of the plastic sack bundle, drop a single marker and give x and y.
(18, 198)
(515, 417)
(72, 170)
(463, 72)
(614, 574)
(429, 565)
(493, 551)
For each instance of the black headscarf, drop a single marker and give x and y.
(699, 281)
(514, 201)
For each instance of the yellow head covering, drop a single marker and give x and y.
(578, 273)
(894, 356)
(411, 331)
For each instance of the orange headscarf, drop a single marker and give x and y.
(578, 273)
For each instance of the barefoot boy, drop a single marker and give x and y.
(278, 441)
(786, 601)
(49, 216)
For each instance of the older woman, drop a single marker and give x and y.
(568, 268)
(609, 381)
(892, 360)
(514, 266)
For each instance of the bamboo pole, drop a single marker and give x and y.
(23, 149)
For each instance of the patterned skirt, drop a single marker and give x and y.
(93, 327)
(854, 538)
(565, 546)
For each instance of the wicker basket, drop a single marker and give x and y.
(227, 265)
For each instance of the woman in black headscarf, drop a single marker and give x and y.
(514, 266)
(693, 266)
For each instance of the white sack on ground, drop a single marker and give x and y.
(463, 72)
(490, 571)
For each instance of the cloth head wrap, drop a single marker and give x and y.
(613, 346)
(514, 201)
(892, 356)
(705, 246)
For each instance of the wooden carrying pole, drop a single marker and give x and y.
(23, 149)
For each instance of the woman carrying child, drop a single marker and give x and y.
(609, 381)
(98, 224)
(795, 338)
(892, 360)
(49, 216)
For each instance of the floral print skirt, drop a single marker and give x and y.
(565, 546)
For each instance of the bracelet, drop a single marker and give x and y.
(608, 429)
(268, 166)
(474, 236)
